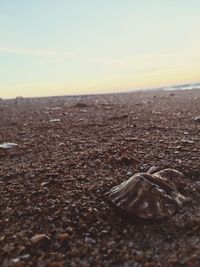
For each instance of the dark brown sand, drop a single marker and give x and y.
(71, 151)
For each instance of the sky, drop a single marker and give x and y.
(67, 47)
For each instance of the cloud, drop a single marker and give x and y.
(44, 53)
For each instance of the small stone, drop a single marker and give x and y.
(130, 244)
(104, 231)
(2, 237)
(44, 183)
(56, 108)
(89, 240)
(131, 139)
(54, 120)
(197, 185)
(197, 119)
(145, 167)
(63, 237)
(185, 141)
(38, 238)
(69, 229)
(15, 260)
(25, 256)
(111, 244)
(7, 145)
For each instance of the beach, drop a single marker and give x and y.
(69, 151)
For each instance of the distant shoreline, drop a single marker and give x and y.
(181, 87)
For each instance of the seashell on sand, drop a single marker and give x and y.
(150, 196)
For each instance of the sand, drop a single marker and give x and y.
(70, 151)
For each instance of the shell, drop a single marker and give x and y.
(150, 196)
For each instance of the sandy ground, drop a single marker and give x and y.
(71, 151)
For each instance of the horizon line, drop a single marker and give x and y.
(160, 88)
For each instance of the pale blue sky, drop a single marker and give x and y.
(53, 47)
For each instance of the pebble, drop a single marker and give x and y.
(145, 167)
(7, 145)
(90, 240)
(185, 141)
(130, 244)
(63, 236)
(38, 238)
(197, 118)
(104, 231)
(25, 256)
(54, 120)
(111, 244)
